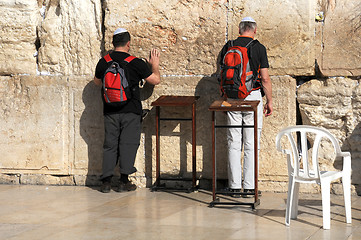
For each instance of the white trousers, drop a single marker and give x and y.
(238, 137)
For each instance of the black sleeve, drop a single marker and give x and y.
(100, 68)
(264, 58)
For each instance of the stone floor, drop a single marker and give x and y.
(60, 212)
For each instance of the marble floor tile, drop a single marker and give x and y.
(64, 212)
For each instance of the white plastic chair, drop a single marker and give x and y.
(301, 169)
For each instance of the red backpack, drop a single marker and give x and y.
(116, 87)
(237, 78)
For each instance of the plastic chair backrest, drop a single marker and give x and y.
(299, 163)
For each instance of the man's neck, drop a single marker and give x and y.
(121, 49)
(249, 34)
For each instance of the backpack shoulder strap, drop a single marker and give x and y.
(129, 59)
(107, 58)
(230, 44)
(252, 43)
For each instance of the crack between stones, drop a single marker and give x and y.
(102, 44)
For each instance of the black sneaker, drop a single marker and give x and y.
(249, 193)
(105, 188)
(236, 191)
(129, 186)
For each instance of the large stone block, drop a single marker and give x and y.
(70, 37)
(34, 126)
(176, 136)
(285, 27)
(18, 23)
(190, 34)
(328, 104)
(273, 164)
(87, 121)
(274, 168)
(35, 179)
(335, 105)
(9, 178)
(340, 50)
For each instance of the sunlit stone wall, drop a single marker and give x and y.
(51, 125)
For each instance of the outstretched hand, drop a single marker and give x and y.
(154, 57)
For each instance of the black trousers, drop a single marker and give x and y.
(121, 143)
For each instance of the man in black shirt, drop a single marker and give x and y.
(237, 137)
(122, 123)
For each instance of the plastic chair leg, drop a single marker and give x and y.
(326, 204)
(346, 183)
(296, 189)
(289, 201)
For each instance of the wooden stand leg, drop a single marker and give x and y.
(255, 156)
(157, 122)
(213, 157)
(194, 145)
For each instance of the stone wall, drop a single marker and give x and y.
(52, 131)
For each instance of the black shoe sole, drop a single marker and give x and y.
(105, 190)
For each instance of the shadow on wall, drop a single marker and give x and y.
(148, 130)
(91, 129)
(177, 134)
(352, 145)
(209, 91)
(92, 132)
(173, 135)
(180, 133)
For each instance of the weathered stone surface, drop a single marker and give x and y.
(334, 105)
(34, 124)
(70, 37)
(85, 111)
(176, 138)
(336, 188)
(52, 126)
(340, 43)
(87, 180)
(18, 36)
(190, 34)
(9, 179)
(273, 164)
(35, 179)
(328, 104)
(284, 94)
(282, 186)
(87, 116)
(287, 32)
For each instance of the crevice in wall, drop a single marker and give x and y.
(299, 81)
(227, 19)
(355, 77)
(37, 42)
(102, 44)
(37, 46)
(318, 72)
(303, 79)
(60, 175)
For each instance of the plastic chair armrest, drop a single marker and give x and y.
(346, 161)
